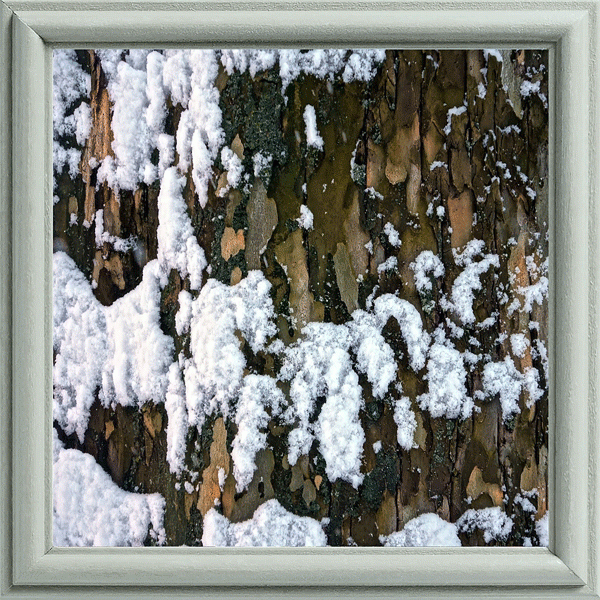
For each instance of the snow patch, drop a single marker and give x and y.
(306, 218)
(258, 393)
(502, 378)
(392, 235)
(495, 524)
(312, 133)
(213, 375)
(271, 525)
(446, 374)
(89, 509)
(426, 262)
(468, 282)
(425, 530)
(177, 245)
(406, 422)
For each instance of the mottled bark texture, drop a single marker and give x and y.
(440, 182)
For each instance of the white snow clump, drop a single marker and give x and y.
(271, 525)
(89, 509)
(425, 530)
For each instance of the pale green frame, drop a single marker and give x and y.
(31, 568)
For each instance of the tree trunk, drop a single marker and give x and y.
(443, 148)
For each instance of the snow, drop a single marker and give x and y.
(388, 265)
(139, 85)
(199, 134)
(103, 237)
(109, 59)
(468, 282)
(306, 364)
(120, 354)
(454, 112)
(541, 351)
(133, 140)
(406, 422)
(502, 378)
(133, 358)
(374, 357)
(131, 354)
(90, 510)
(79, 329)
(495, 524)
(426, 262)
(358, 65)
(139, 353)
(425, 530)
(446, 375)
(62, 156)
(157, 94)
(258, 393)
(137, 58)
(321, 63)
(519, 344)
(233, 165)
(262, 163)
(177, 419)
(177, 76)
(531, 379)
(184, 314)
(177, 245)
(253, 61)
(530, 87)
(362, 65)
(339, 431)
(495, 53)
(320, 364)
(271, 525)
(70, 84)
(213, 375)
(166, 153)
(313, 138)
(82, 117)
(542, 529)
(408, 317)
(535, 293)
(306, 218)
(392, 235)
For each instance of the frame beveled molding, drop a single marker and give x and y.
(31, 568)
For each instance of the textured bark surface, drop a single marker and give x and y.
(440, 182)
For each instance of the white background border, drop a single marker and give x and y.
(31, 568)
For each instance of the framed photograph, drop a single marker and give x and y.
(325, 300)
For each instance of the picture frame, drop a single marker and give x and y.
(32, 568)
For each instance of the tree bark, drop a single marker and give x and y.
(441, 180)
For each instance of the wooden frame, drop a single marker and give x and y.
(31, 568)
